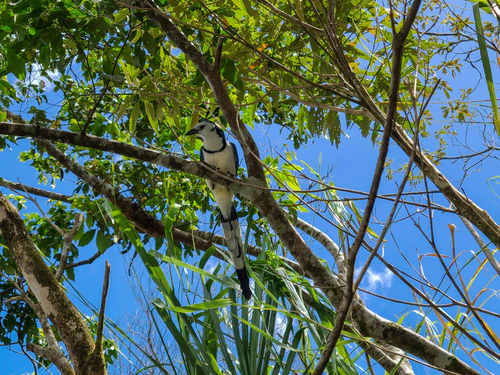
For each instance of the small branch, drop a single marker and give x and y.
(42, 317)
(296, 21)
(482, 245)
(67, 242)
(35, 191)
(218, 53)
(86, 261)
(53, 355)
(106, 87)
(490, 149)
(326, 241)
(100, 324)
(58, 230)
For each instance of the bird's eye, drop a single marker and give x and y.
(202, 127)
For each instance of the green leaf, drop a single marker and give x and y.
(103, 242)
(229, 72)
(134, 115)
(300, 119)
(269, 337)
(212, 304)
(151, 264)
(16, 66)
(86, 238)
(222, 279)
(121, 15)
(486, 66)
(169, 224)
(150, 112)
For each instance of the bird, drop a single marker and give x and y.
(223, 156)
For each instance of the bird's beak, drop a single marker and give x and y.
(192, 132)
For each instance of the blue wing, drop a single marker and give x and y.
(236, 158)
(202, 156)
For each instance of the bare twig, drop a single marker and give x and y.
(100, 323)
(488, 151)
(218, 52)
(86, 261)
(482, 245)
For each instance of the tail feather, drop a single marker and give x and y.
(232, 234)
(244, 282)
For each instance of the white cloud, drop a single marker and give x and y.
(374, 280)
(379, 279)
(211, 266)
(36, 78)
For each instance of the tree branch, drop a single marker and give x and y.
(36, 191)
(67, 242)
(54, 356)
(47, 290)
(100, 323)
(482, 245)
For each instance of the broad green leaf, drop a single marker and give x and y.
(86, 238)
(150, 112)
(230, 72)
(121, 15)
(103, 242)
(134, 115)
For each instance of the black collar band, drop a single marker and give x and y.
(224, 145)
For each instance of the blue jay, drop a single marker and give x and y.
(219, 153)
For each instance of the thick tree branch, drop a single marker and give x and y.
(327, 243)
(171, 161)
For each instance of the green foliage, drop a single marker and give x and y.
(101, 69)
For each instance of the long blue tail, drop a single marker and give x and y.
(232, 234)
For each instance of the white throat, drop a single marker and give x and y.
(213, 142)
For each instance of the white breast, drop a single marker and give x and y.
(223, 160)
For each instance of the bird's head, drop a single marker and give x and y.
(207, 130)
